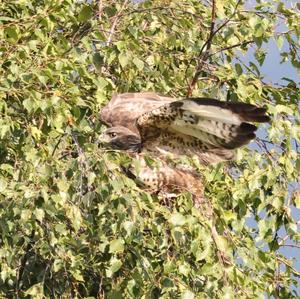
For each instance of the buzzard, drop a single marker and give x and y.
(164, 127)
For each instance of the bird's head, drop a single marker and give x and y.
(121, 138)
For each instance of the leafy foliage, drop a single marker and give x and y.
(72, 225)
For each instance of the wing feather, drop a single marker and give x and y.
(207, 127)
(124, 109)
(201, 125)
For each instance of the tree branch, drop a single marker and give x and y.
(23, 264)
(290, 245)
(232, 47)
(204, 55)
(100, 11)
(283, 261)
(115, 22)
(206, 45)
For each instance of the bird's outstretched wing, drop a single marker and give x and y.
(206, 127)
(124, 109)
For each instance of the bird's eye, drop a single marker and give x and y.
(112, 134)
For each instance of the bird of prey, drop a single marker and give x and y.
(160, 126)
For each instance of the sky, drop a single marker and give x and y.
(273, 72)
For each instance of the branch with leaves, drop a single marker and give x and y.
(205, 49)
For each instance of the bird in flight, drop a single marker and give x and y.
(150, 124)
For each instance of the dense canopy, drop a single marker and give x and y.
(72, 225)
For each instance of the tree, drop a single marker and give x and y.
(72, 224)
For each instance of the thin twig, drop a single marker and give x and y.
(115, 22)
(100, 11)
(221, 254)
(232, 47)
(82, 159)
(290, 245)
(277, 282)
(23, 264)
(57, 144)
(204, 55)
(224, 24)
(206, 45)
(287, 263)
(263, 146)
(162, 8)
(283, 240)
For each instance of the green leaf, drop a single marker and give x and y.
(279, 41)
(4, 129)
(184, 269)
(114, 294)
(238, 69)
(116, 246)
(188, 295)
(229, 216)
(222, 243)
(74, 214)
(57, 265)
(7, 168)
(35, 132)
(123, 59)
(177, 219)
(283, 109)
(11, 33)
(101, 83)
(77, 275)
(39, 214)
(260, 55)
(297, 199)
(115, 265)
(30, 105)
(36, 291)
(85, 14)
(98, 60)
(139, 63)
(3, 184)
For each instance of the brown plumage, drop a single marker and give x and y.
(160, 126)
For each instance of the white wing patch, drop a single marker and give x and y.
(211, 112)
(201, 126)
(215, 127)
(207, 138)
